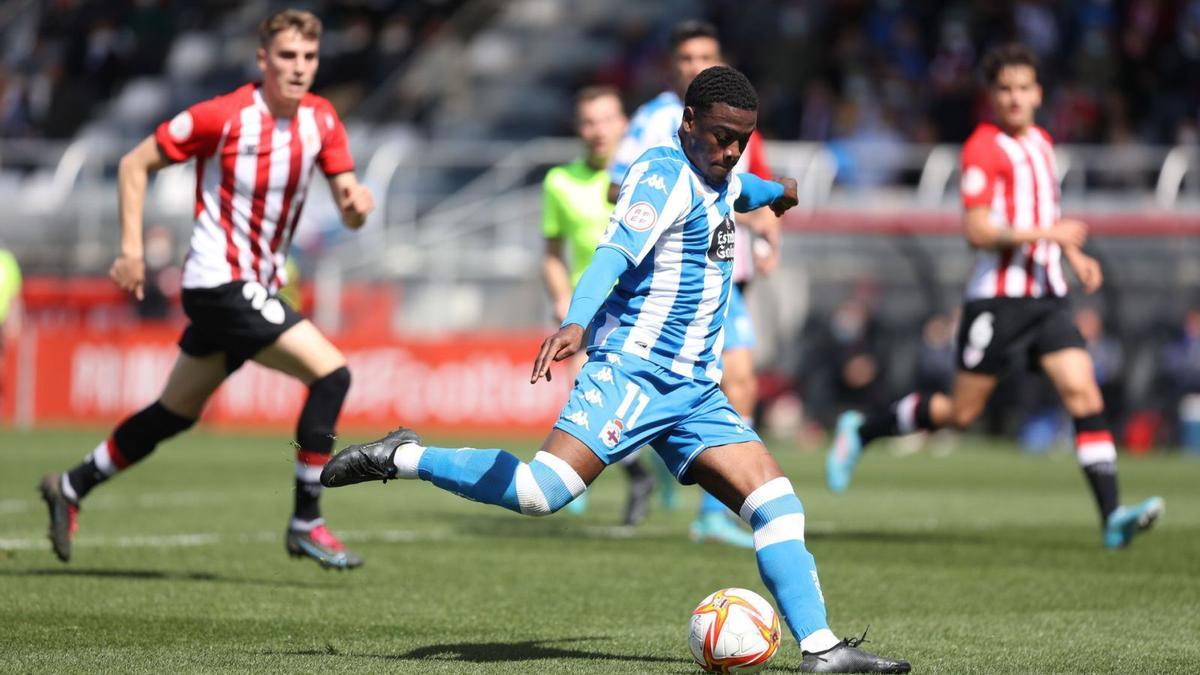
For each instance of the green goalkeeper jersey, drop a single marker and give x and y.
(575, 208)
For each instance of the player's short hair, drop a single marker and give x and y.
(591, 93)
(1003, 56)
(692, 28)
(306, 23)
(721, 84)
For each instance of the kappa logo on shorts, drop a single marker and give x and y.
(737, 422)
(610, 435)
(605, 375)
(580, 418)
(593, 396)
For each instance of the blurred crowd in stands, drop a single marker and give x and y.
(1116, 70)
(880, 70)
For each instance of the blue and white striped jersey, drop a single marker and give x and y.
(669, 307)
(655, 123)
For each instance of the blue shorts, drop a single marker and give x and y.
(739, 328)
(621, 402)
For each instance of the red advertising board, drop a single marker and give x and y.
(462, 385)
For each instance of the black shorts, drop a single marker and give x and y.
(238, 318)
(1001, 333)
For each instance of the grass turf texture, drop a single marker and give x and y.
(985, 561)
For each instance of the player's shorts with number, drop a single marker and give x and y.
(621, 402)
(997, 334)
(238, 318)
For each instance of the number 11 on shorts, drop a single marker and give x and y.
(632, 391)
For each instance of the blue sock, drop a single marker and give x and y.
(710, 504)
(786, 566)
(538, 488)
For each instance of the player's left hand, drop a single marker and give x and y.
(789, 198)
(355, 202)
(1087, 269)
(562, 345)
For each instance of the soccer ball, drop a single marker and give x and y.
(733, 630)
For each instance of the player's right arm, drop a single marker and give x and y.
(128, 271)
(982, 233)
(982, 164)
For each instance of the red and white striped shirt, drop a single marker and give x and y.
(1016, 177)
(252, 175)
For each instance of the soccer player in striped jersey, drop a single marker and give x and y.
(575, 211)
(654, 367)
(256, 149)
(1016, 309)
(695, 47)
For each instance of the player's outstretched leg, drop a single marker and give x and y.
(854, 432)
(746, 472)
(538, 488)
(307, 535)
(131, 442)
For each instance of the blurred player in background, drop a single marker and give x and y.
(695, 47)
(255, 151)
(10, 307)
(1016, 310)
(575, 212)
(652, 306)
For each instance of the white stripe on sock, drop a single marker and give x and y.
(772, 489)
(783, 528)
(308, 473)
(1096, 453)
(67, 489)
(406, 459)
(305, 525)
(565, 473)
(102, 459)
(530, 497)
(906, 413)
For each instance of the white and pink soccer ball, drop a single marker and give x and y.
(734, 631)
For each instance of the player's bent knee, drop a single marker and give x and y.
(546, 484)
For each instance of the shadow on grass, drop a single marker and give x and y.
(159, 575)
(490, 652)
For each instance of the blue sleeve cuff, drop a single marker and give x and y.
(756, 193)
(594, 286)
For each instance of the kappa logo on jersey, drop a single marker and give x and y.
(974, 180)
(656, 182)
(721, 249)
(610, 435)
(641, 216)
(614, 359)
(593, 396)
(580, 418)
(605, 375)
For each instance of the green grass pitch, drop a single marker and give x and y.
(985, 561)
